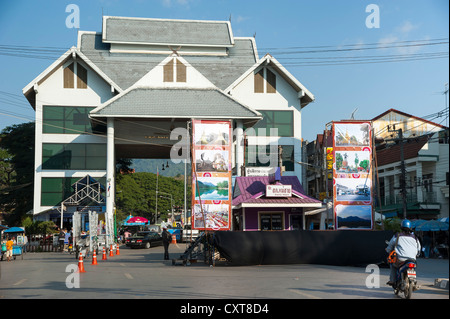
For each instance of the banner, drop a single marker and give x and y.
(211, 175)
(352, 175)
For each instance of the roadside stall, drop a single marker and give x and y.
(132, 225)
(17, 234)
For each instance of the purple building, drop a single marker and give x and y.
(259, 204)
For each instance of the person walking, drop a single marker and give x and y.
(167, 238)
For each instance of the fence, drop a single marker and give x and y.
(42, 243)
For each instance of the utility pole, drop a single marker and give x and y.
(402, 168)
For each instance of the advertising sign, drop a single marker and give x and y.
(278, 190)
(352, 175)
(211, 175)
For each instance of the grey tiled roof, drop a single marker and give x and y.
(184, 102)
(125, 69)
(162, 31)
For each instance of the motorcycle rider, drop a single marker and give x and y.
(407, 247)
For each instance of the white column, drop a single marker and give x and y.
(239, 147)
(110, 182)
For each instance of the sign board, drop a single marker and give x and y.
(278, 190)
(260, 171)
(352, 175)
(211, 170)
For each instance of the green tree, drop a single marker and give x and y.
(136, 195)
(17, 197)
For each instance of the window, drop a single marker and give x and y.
(66, 120)
(56, 189)
(282, 120)
(259, 81)
(181, 72)
(81, 77)
(76, 156)
(271, 221)
(168, 72)
(287, 157)
(172, 67)
(271, 81)
(69, 76)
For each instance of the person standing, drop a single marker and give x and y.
(62, 236)
(167, 238)
(9, 249)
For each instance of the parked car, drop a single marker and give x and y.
(145, 239)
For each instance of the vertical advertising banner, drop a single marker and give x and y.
(211, 175)
(352, 175)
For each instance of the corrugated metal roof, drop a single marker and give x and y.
(391, 154)
(252, 186)
(179, 102)
(167, 32)
(125, 69)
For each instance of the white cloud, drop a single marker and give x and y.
(169, 3)
(407, 27)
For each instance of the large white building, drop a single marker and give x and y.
(121, 91)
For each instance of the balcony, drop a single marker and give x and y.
(428, 204)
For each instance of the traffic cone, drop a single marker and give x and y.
(111, 251)
(80, 264)
(174, 239)
(104, 254)
(117, 251)
(94, 258)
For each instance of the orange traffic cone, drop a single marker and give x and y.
(94, 258)
(111, 251)
(117, 251)
(80, 264)
(174, 239)
(104, 253)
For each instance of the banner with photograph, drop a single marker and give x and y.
(352, 175)
(211, 175)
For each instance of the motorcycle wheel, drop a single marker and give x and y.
(409, 289)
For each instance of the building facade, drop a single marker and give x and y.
(123, 91)
(426, 158)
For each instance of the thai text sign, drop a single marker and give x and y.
(278, 190)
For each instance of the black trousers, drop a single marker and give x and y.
(166, 251)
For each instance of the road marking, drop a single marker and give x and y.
(128, 276)
(123, 265)
(20, 282)
(304, 294)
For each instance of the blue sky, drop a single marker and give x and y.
(281, 27)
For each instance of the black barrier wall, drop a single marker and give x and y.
(339, 248)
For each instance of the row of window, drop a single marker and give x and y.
(74, 156)
(75, 120)
(255, 158)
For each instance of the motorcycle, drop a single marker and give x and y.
(406, 280)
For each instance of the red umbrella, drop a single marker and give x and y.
(137, 219)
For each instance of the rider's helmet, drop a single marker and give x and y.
(406, 225)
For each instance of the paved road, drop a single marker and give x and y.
(142, 273)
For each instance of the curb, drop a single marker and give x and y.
(441, 283)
